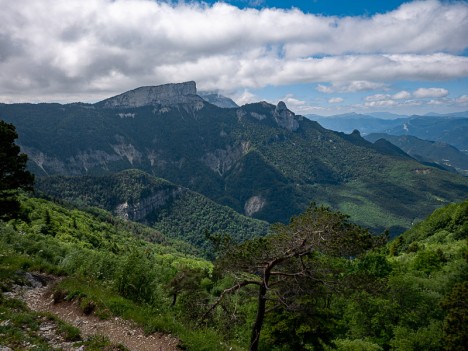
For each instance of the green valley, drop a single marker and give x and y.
(261, 160)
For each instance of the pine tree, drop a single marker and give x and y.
(13, 173)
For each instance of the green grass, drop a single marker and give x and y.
(151, 318)
(102, 264)
(19, 327)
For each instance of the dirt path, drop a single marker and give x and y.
(40, 299)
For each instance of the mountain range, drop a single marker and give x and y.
(259, 159)
(451, 128)
(439, 154)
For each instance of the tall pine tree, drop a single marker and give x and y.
(13, 173)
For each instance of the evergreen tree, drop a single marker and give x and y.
(13, 173)
(295, 267)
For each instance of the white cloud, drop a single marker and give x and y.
(325, 89)
(50, 47)
(430, 93)
(291, 101)
(403, 98)
(246, 97)
(462, 99)
(377, 97)
(380, 103)
(335, 100)
(350, 87)
(401, 95)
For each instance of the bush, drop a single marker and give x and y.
(136, 278)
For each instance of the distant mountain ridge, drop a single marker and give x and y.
(260, 159)
(441, 153)
(217, 99)
(449, 128)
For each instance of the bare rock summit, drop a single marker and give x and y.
(167, 94)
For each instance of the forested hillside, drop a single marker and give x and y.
(439, 154)
(175, 211)
(259, 159)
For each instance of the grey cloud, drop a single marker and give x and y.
(52, 47)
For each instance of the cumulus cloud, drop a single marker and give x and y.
(335, 100)
(403, 98)
(290, 100)
(349, 87)
(377, 97)
(49, 47)
(435, 102)
(380, 103)
(462, 99)
(430, 93)
(401, 95)
(246, 97)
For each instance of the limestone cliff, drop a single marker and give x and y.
(285, 118)
(167, 94)
(139, 210)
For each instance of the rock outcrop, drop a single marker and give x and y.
(166, 95)
(222, 160)
(139, 210)
(253, 205)
(285, 118)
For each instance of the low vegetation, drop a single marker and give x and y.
(402, 296)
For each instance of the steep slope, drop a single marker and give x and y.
(259, 159)
(174, 210)
(437, 152)
(106, 273)
(445, 225)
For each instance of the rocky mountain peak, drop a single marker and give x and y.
(217, 99)
(281, 107)
(285, 118)
(167, 94)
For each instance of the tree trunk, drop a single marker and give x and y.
(257, 327)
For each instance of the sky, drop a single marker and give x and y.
(318, 56)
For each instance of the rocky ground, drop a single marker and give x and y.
(39, 298)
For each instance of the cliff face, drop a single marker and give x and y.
(139, 210)
(167, 94)
(285, 118)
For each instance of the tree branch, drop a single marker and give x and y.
(233, 288)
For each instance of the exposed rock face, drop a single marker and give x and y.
(167, 94)
(254, 205)
(285, 118)
(221, 161)
(127, 150)
(258, 116)
(139, 210)
(78, 164)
